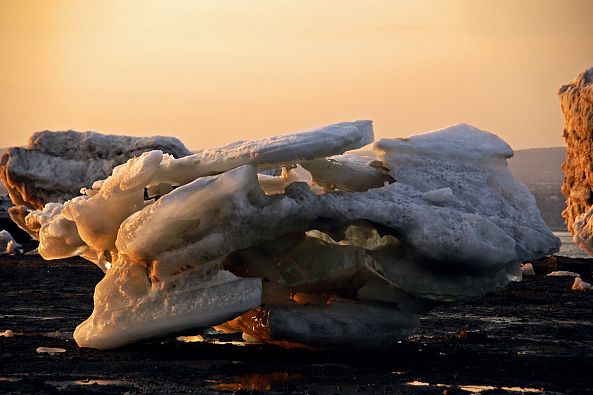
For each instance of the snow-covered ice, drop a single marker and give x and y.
(343, 250)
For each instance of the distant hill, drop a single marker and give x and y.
(541, 170)
(539, 164)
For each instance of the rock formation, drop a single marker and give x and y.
(56, 165)
(307, 258)
(576, 99)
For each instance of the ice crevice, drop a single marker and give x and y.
(295, 241)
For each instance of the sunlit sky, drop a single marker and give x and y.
(214, 71)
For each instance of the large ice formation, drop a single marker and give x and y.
(293, 243)
(55, 165)
(576, 99)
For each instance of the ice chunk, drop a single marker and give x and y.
(271, 184)
(56, 165)
(336, 325)
(313, 263)
(287, 149)
(492, 218)
(50, 350)
(347, 173)
(127, 309)
(583, 231)
(580, 285)
(129, 233)
(563, 273)
(58, 236)
(527, 269)
(8, 245)
(200, 240)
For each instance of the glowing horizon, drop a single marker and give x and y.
(211, 72)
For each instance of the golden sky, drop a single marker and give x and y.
(215, 71)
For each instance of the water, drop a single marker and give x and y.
(568, 247)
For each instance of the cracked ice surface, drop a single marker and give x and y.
(330, 253)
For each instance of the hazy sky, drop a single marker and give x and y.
(214, 71)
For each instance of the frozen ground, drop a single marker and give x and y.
(533, 337)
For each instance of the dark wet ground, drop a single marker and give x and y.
(533, 337)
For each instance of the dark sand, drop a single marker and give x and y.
(537, 335)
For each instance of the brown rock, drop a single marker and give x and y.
(576, 100)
